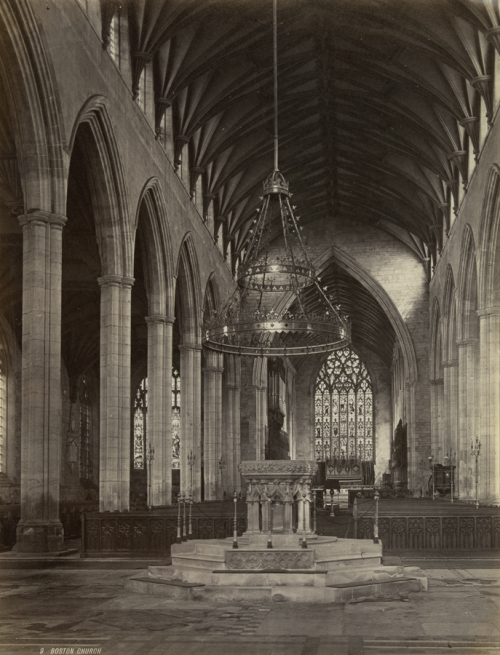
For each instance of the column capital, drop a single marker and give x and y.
(109, 280)
(40, 217)
(128, 281)
(156, 318)
(437, 382)
(215, 369)
(190, 346)
(450, 363)
(488, 311)
(471, 341)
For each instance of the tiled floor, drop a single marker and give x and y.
(80, 612)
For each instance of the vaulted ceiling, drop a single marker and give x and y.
(378, 102)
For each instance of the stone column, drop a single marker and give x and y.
(114, 467)
(159, 432)
(212, 425)
(467, 373)
(261, 411)
(231, 409)
(40, 529)
(489, 459)
(190, 418)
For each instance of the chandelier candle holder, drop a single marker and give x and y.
(150, 455)
(475, 451)
(235, 526)
(249, 323)
(179, 534)
(451, 459)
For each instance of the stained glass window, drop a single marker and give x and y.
(343, 405)
(3, 413)
(140, 421)
(176, 419)
(85, 431)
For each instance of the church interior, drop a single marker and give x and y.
(135, 140)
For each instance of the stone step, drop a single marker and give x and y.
(198, 561)
(348, 562)
(341, 593)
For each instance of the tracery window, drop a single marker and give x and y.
(114, 37)
(343, 409)
(85, 431)
(3, 413)
(176, 419)
(140, 421)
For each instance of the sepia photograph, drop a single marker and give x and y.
(249, 327)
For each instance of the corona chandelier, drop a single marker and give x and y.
(250, 323)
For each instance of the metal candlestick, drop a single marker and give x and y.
(235, 527)
(304, 540)
(375, 519)
(475, 450)
(184, 533)
(451, 456)
(179, 539)
(150, 455)
(430, 458)
(331, 506)
(269, 524)
(314, 511)
(190, 531)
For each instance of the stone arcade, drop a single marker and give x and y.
(134, 140)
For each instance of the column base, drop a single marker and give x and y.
(39, 537)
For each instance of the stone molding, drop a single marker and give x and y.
(261, 560)
(451, 363)
(115, 280)
(489, 311)
(438, 382)
(471, 341)
(280, 467)
(159, 318)
(190, 346)
(40, 217)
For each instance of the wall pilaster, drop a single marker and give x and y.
(191, 419)
(212, 379)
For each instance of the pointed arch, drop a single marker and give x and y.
(189, 291)
(151, 220)
(449, 317)
(108, 188)
(436, 368)
(35, 108)
(467, 292)
(212, 296)
(351, 266)
(489, 259)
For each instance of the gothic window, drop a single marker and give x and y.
(176, 418)
(85, 431)
(3, 413)
(114, 37)
(343, 409)
(140, 421)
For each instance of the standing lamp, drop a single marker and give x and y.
(451, 457)
(475, 450)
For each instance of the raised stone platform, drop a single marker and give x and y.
(329, 570)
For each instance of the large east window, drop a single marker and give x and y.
(343, 409)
